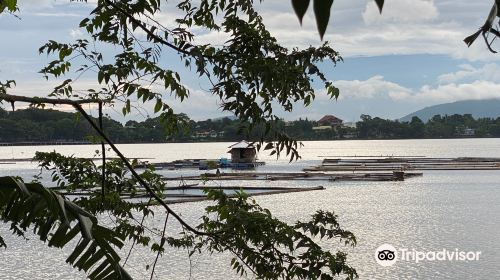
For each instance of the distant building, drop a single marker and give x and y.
(349, 124)
(203, 134)
(322, 128)
(243, 152)
(466, 132)
(330, 120)
(208, 134)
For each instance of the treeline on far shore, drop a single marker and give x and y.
(51, 126)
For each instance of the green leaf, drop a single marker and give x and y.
(300, 8)
(380, 5)
(85, 226)
(12, 182)
(127, 107)
(77, 251)
(158, 105)
(60, 201)
(100, 76)
(322, 12)
(10, 4)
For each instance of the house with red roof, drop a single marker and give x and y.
(330, 120)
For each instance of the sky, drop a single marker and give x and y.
(410, 57)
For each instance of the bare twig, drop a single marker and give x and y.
(162, 243)
(103, 152)
(142, 228)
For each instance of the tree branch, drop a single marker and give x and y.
(103, 154)
(44, 100)
(145, 29)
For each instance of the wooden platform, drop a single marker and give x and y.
(264, 191)
(194, 192)
(299, 176)
(406, 164)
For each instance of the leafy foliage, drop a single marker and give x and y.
(83, 178)
(251, 73)
(58, 221)
(266, 246)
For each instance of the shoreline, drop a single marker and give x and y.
(80, 143)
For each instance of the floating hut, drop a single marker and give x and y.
(243, 152)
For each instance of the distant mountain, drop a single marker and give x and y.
(489, 108)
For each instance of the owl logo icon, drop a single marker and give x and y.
(386, 255)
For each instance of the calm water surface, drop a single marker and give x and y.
(441, 210)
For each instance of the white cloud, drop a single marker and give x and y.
(488, 72)
(375, 86)
(476, 90)
(378, 87)
(401, 11)
(76, 33)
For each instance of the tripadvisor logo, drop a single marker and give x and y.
(388, 255)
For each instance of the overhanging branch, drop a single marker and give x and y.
(45, 100)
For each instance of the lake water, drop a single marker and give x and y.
(452, 210)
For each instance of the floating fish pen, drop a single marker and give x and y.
(203, 164)
(406, 163)
(299, 176)
(231, 192)
(194, 192)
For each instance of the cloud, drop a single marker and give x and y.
(401, 11)
(373, 87)
(404, 27)
(488, 72)
(470, 83)
(476, 90)
(76, 33)
(355, 29)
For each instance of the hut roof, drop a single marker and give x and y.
(242, 145)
